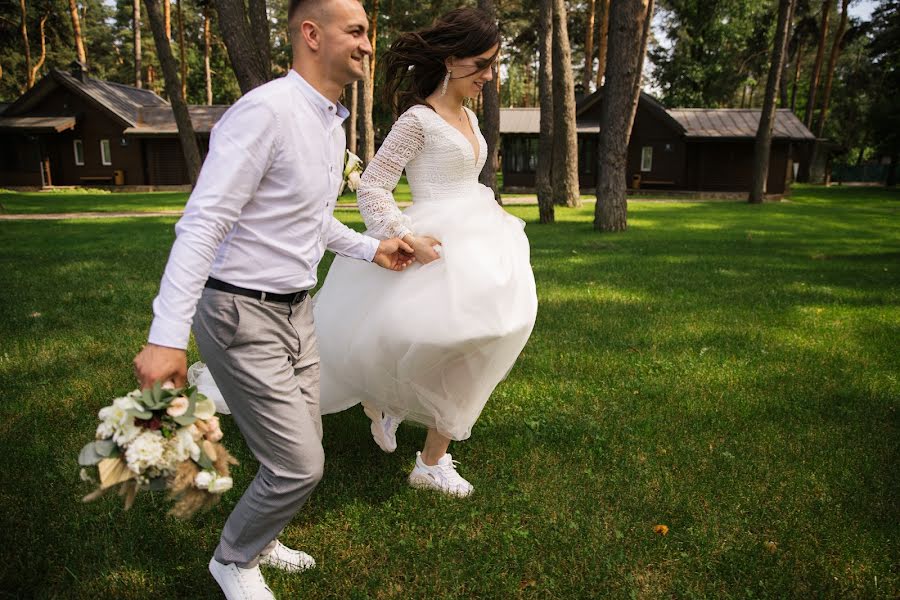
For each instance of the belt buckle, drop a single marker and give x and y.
(297, 298)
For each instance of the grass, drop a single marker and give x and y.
(730, 371)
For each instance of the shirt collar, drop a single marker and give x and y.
(326, 107)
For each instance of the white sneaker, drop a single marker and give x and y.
(442, 477)
(238, 583)
(286, 559)
(384, 428)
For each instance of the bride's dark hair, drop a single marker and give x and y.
(414, 64)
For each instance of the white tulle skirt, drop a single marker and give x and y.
(431, 343)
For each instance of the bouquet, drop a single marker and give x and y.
(353, 168)
(164, 438)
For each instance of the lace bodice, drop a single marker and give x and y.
(440, 163)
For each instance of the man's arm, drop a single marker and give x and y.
(241, 150)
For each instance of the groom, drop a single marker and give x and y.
(246, 252)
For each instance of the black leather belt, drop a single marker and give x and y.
(292, 298)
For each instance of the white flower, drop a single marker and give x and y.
(178, 406)
(205, 409)
(126, 432)
(105, 430)
(220, 485)
(203, 479)
(185, 437)
(145, 451)
(85, 476)
(351, 163)
(353, 181)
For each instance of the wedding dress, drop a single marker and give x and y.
(428, 344)
(431, 343)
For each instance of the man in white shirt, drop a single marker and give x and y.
(247, 248)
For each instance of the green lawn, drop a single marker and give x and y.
(730, 371)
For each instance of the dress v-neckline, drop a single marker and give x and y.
(476, 147)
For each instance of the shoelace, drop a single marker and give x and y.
(450, 473)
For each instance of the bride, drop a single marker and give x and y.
(428, 345)
(431, 344)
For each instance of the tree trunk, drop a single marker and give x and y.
(797, 60)
(639, 72)
(490, 121)
(602, 40)
(181, 49)
(782, 81)
(352, 121)
(76, 31)
(832, 64)
(587, 74)
(136, 26)
(817, 67)
(207, 44)
(373, 39)
(367, 136)
(249, 69)
(32, 76)
(763, 145)
(173, 89)
(29, 80)
(565, 135)
(259, 28)
(167, 18)
(628, 21)
(543, 179)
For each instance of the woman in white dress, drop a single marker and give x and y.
(429, 345)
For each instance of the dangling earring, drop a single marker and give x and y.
(446, 81)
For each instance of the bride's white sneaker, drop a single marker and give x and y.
(238, 583)
(384, 428)
(442, 477)
(287, 559)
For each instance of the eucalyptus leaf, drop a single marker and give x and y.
(204, 461)
(185, 419)
(89, 455)
(104, 447)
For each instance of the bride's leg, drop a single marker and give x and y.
(436, 446)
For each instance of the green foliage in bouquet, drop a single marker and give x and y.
(161, 438)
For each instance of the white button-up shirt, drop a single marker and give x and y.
(261, 214)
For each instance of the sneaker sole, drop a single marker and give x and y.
(377, 432)
(422, 483)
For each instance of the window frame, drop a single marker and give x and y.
(646, 159)
(105, 153)
(78, 151)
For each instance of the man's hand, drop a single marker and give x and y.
(159, 363)
(424, 248)
(393, 254)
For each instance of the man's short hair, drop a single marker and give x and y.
(306, 6)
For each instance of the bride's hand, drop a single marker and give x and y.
(424, 248)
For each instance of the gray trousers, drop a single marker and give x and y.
(265, 361)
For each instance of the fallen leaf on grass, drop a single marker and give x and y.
(661, 530)
(772, 547)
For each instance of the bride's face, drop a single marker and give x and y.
(470, 74)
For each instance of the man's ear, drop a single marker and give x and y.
(311, 34)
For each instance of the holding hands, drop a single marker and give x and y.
(424, 247)
(393, 254)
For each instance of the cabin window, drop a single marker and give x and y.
(105, 153)
(647, 158)
(78, 147)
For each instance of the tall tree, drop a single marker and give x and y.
(817, 66)
(244, 45)
(565, 135)
(885, 111)
(782, 81)
(490, 121)
(167, 18)
(763, 146)
(80, 54)
(588, 72)
(207, 46)
(136, 28)
(629, 23)
(832, 65)
(181, 49)
(543, 177)
(26, 46)
(602, 40)
(367, 127)
(173, 89)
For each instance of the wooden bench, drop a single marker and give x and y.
(107, 179)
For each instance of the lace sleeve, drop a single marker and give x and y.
(376, 202)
